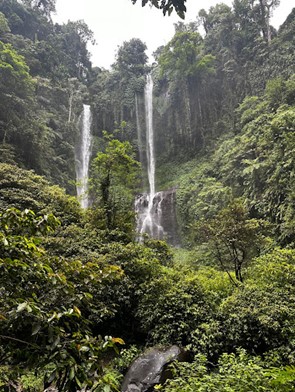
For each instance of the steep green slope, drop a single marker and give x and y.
(255, 161)
(42, 89)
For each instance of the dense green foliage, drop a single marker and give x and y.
(114, 180)
(237, 372)
(75, 286)
(43, 69)
(204, 79)
(114, 93)
(254, 161)
(41, 311)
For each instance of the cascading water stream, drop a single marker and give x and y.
(83, 153)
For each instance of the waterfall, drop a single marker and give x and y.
(83, 153)
(147, 223)
(150, 136)
(155, 211)
(147, 208)
(139, 130)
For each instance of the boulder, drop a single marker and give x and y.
(150, 369)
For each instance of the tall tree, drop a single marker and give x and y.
(266, 8)
(16, 92)
(255, 15)
(186, 66)
(46, 7)
(131, 58)
(235, 238)
(113, 92)
(113, 183)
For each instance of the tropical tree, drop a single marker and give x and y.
(131, 58)
(114, 92)
(27, 20)
(68, 46)
(4, 27)
(129, 73)
(16, 85)
(187, 68)
(47, 7)
(16, 96)
(113, 183)
(234, 238)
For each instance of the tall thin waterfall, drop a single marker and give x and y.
(148, 207)
(156, 213)
(150, 137)
(83, 153)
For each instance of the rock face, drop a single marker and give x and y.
(149, 369)
(168, 218)
(159, 221)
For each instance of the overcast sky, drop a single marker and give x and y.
(116, 21)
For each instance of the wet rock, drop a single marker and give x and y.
(149, 369)
(161, 221)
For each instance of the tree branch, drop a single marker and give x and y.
(18, 340)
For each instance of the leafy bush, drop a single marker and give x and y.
(171, 307)
(234, 373)
(23, 189)
(50, 305)
(260, 316)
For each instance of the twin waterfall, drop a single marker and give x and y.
(156, 210)
(82, 155)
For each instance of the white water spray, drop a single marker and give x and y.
(83, 153)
